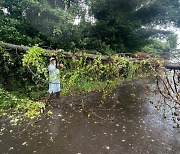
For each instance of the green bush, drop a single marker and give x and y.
(78, 72)
(19, 104)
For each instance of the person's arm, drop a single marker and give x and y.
(60, 66)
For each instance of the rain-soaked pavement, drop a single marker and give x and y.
(125, 123)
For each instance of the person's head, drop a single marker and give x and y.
(53, 61)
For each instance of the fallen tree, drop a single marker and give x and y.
(79, 54)
(173, 66)
(168, 86)
(23, 49)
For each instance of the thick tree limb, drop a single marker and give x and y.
(173, 66)
(23, 48)
(15, 47)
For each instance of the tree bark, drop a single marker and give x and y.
(15, 47)
(173, 66)
(23, 49)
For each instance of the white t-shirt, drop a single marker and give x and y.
(53, 74)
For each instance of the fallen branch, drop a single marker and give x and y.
(23, 49)
(173, 66)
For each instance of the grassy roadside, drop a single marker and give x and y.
(16, 106)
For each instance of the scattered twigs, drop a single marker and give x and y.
(168, 88)
(158, 86)
(164, 84)
(175, 84)
(168, 82)
(27, 126)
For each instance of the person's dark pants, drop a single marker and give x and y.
(58, 95)
(54, 99)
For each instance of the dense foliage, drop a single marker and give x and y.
(26, 77)
(157, 47)
(19, 104)
(79, 73)
(106, 26)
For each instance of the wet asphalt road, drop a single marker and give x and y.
(123, 123)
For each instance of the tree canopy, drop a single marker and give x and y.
(119, 25)
(127, 25)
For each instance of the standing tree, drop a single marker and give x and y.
(126, 25)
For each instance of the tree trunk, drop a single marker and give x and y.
(23, 49)
(173, 66)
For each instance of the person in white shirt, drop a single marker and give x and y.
(54, 80)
